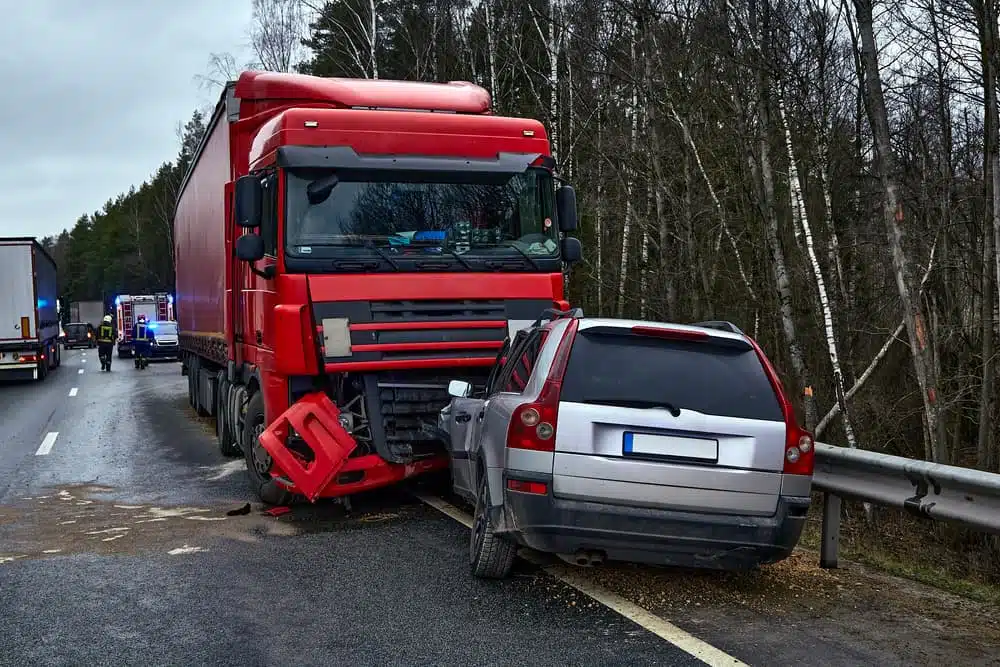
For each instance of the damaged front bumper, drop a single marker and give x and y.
(330, 472)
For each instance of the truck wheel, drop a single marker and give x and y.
(57, 351)
(258, 460)
(43, 365)
(490, 555)
(227, 444)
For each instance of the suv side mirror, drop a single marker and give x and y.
(249, 201)
(459, 389)
(566, 208)
(572, 250)
(250, 247)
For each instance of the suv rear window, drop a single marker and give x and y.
(76, 329)
(711, 379)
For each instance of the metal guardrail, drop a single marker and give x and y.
(928, 490)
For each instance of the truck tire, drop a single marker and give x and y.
(223, 429)
(193, 383)
(57, 353)
(260, 481)
(491, 556)
(43, 365)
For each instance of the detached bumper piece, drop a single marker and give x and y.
(314, 418)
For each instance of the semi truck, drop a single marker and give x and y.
(128, 308)
(87, 312)
(29, 317)
(343, 249)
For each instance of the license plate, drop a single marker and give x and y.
(670, 446)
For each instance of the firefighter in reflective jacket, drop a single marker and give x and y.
(141, 342)
(105, 342)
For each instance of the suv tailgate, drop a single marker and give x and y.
(671, 424)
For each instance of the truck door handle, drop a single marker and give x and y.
(463, 417)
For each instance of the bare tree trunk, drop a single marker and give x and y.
(373, 38)
(765, 175)
(599, 212)
(799, 211)
(877, 359)
(987, 24)
(689, 140)
(893, 215)
(633, 113)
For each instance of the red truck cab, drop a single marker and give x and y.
(344, 249)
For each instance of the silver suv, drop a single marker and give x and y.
(627, 440)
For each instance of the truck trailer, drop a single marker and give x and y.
(29, 317)
(128, 308)
(87, 312)
(346, 247)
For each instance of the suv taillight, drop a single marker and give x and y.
(533, 425)
(799, 445)
(799, 449)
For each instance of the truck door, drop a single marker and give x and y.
(257, 297)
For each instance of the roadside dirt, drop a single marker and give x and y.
(880, 613)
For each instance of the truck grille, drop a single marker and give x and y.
(403, 409)
(430, 311)
(427, 330)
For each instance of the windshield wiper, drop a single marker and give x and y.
(524, 254)
(383, 254)
(368, 244)
(636, 403)
(447, 251)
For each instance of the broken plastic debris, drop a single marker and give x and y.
(278, 511)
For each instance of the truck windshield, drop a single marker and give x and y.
(466, 213)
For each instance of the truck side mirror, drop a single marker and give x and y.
(249, 201)
(566, 208)
(250, 247)
(572, 250)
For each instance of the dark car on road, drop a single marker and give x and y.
(79, 334)
(607, 439)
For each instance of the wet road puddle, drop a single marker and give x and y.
(75, 519)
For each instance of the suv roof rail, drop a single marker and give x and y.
(575, 313)
(721, 325)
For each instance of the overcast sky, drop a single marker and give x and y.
(90, 96)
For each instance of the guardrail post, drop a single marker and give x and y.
(830, 544)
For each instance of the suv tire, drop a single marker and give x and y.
(490, 555)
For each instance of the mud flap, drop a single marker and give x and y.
(314, 418)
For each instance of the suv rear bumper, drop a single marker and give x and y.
(684, 539)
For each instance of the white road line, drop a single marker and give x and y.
(84, 360)
(46, 446)
(80, 372)
(660, 627)
(73, 392)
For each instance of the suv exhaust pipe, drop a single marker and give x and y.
(585, 558)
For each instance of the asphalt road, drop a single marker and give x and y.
(116, 548)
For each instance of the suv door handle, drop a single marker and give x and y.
(462, 417)
(480, 416)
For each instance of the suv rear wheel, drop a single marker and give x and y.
(490, 555)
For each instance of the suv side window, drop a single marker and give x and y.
(498, 367)
(521, 362)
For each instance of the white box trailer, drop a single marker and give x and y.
(88, 312)
(29, 317)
